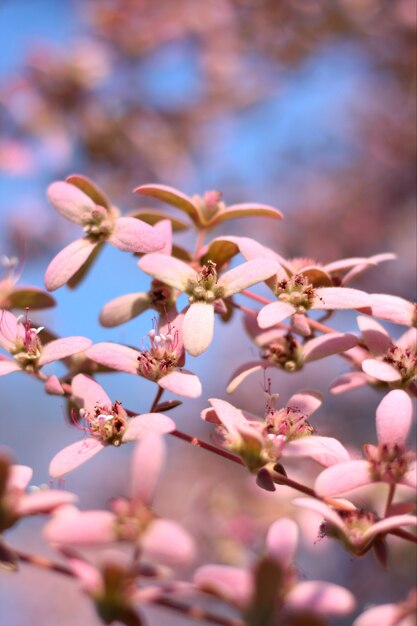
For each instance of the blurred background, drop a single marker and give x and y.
(305, 105)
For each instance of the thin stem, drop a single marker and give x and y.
(254, 296)
(157, 398)
(40, 561)
(390, 498)
(200, 240)
(281, 479)
(206, 446)
(196, 613)
(404, 534)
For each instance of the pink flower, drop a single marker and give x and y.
(105, 423)
(270, 589)
(401, 614)
(23, 342)
(205, 290)
(131, 519)
(281, 349)
(160, 297)
(280, 434)
(161, 362)
(208, 211)
(15, 503)
(82, 202)
(357, 529)
(389, 461)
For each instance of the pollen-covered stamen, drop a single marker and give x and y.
(283, 352)
(357, 522)
(405, 361)
(389, 462)
(132, 519)
(97, 223)
(297, 291)
(162, 356)
(287, 422)
(205, 288)
(106, 423)
(161, 296)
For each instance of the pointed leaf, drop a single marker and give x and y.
(170, 196)
(123, 309)
(67, 263)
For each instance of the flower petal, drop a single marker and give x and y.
(74, 455)
(325, 450)
(73, 527)
(115, 356)
(166, 542)
(61, 348)
(147, 461)
(274, 313)
(198, 328)
(348, 381)
(306, 401)
(44, 501)
(231, 417)
(341, 298)
(247, 274)
(182, 383)
(282, 541)
(242, 373)
(88, 394)
(392, 308)
(394, 416)
(247, 210)
(142, 425)
(10, 330)
(380, 370)
(231, 583)
(343, 477)
(8, 367)
(375, 336)
(168, 270)
(69, 201)
(123, 309)
(19, 477)
(67, 263)
(326, 345)
(389, 523)
(410, 478)
(322, 509)
(133, 235)
(321, 597)
(383, 615)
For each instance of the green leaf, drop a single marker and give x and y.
(31, 297)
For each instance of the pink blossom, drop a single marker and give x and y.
(161, 362)
(357, 529)
(106, 423)
(401, 614)
(394, 309)
(389, 461)
(82, 202)
(23, 342)
(271, 588)
(131, 519)
(204, 289)
(207, 211)
(280, 434)
(15, 503)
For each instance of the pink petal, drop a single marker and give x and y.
(389, 523)
(170, 196)
(380, 370)
(61, 348)
(229, 416)
(348, 381)
(392, 308)
(372, 261)
(346, 264)
(164, 230)
(147, 461)
(325, 450)
(300, 325)
(322, 509)
(306, 401)
(326, 345)
(69, 201)
(44, 501)
(408, 340)
(89, 576)
(341, 298)
(133, 235)
(242, 373)
(10, 330)
(115, 356)
(251, 249)
(7, 366)
(394, 416)
(73, 527)
(383, 615)
(375, 336)
(74, 455)
(142, 425)
(321, 597)
(274, 313)
(198, 328)
(67, 263)
(181, 383)
(410, 478)
(343, 477)
(88, 394)
(19, 477)
(282, 541)
(168, 270)
(231, 583)
(246, 210)
(123, 309)
(246, 275)
(53, 386)
(167, 542)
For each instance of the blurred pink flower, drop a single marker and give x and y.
(106, 424)
(401, 614)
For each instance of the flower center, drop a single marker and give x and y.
(297, 291)
(287, 422)
(28, 347)
(161, 358)
(283, 352)
(107, 424)
(388, 461)
(97, 223)
(132, 519)
(205, 288)
(357, 522)
(161, 296)
(405, 361)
